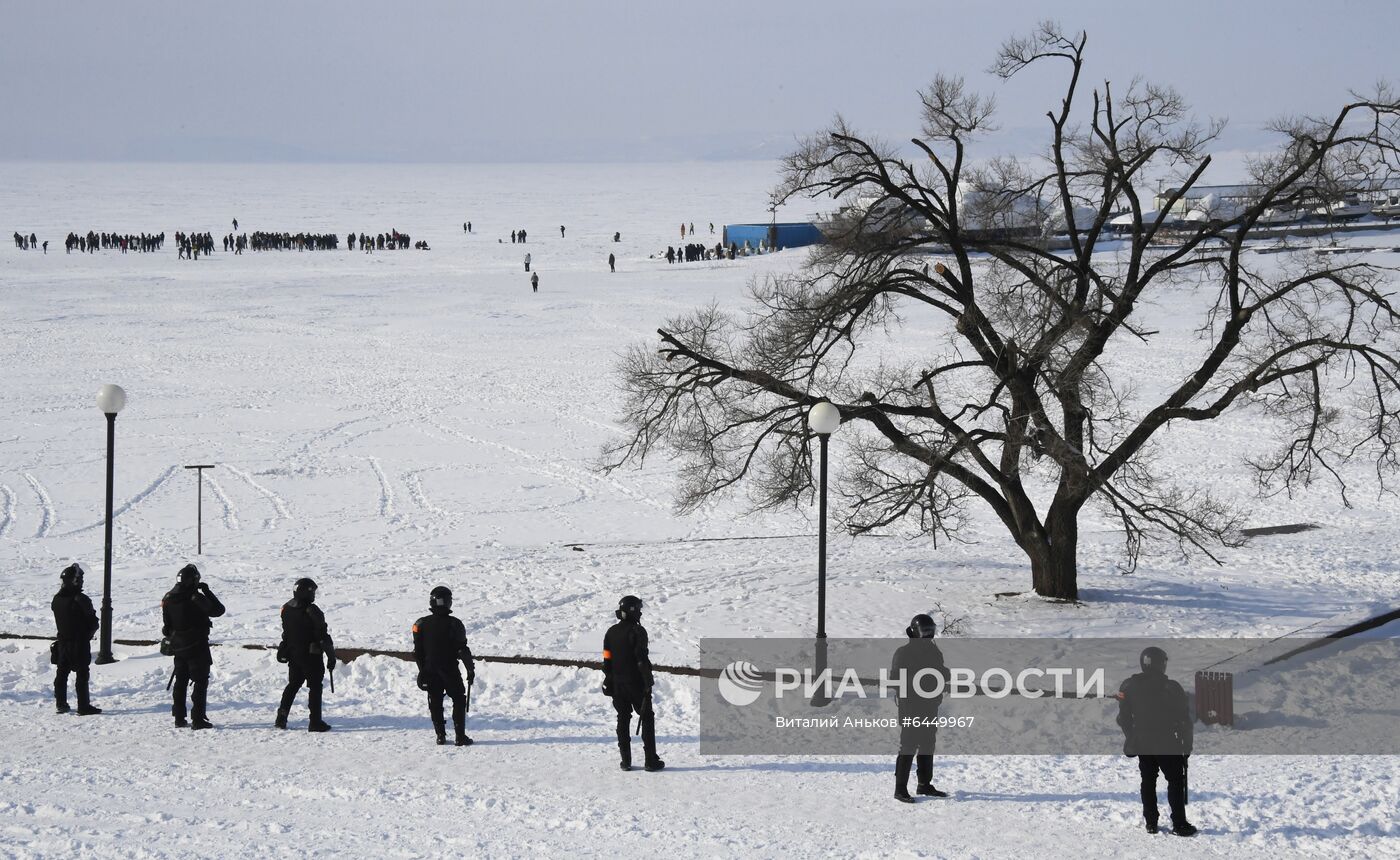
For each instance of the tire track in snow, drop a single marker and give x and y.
(230, 513)
(129, 503)
(280, 510)
(49, 517)
(7, 509)
(386, 492)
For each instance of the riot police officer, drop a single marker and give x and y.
(627, 679)
(306, 642)
(439, 641)
(918, 733)
(77, 624)
(186, 610)
(1157, 728)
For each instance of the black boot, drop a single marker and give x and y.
(441, 731)
(653, 765)
(927, 790)
(902, 765)
(281, 721)
(1151, 827)
(88, 710)
(318, 726)
(1185, 828)
(61, 707)
(200, 723)
(462, 739)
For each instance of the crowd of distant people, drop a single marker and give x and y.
(190, 246)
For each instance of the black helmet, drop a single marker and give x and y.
(189, 575)
(71, 574)
(629, 608)
(440, 598)
(922, 627)
(1153, 660)
(305, 587)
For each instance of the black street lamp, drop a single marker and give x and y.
(110, 399)
(823, 418)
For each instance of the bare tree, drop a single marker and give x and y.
(1018, 409)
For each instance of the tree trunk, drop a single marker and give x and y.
(1055, 558)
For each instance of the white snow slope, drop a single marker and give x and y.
(388, 422)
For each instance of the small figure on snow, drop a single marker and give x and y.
(186, 610)
(306, 642)
(535, 282)
(439, 641)
(918, 733)
(1157, 728)
(72, 648)
(627, 680)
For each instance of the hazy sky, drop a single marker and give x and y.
(590, 80)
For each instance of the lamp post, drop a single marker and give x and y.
(110, 399)
(823, 418)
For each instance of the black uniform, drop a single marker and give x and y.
(1157, 728)
(628, 680)
(306, 643)
(77, 624)
(917, 737)
(186, 609)
(439, 641)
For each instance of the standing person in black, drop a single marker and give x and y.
(186, 609)
(918, 733)
(627, 680)
(306, 642)
(612, 263)
(1157, 728)
(77, 624)
(439, 641)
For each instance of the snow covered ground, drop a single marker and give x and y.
(388, 422)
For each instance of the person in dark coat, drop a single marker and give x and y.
(918, 733)
(534, 282)
(612, 263)
(187, 609)
(308, 651)
(627, 680)
(77, 624)
(1157, 728)
(439, 641)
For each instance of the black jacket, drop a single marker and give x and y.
(304, 631)
(439, 641)
(74, 616)
(186, 612)
(1154, 715)
(911, 658)
(626, 664)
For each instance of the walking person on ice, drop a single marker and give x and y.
(77, 624)
(306, 642)
(1157, 728)
(534, 282)
(627, 680)
(439, 641)
(527, 262)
